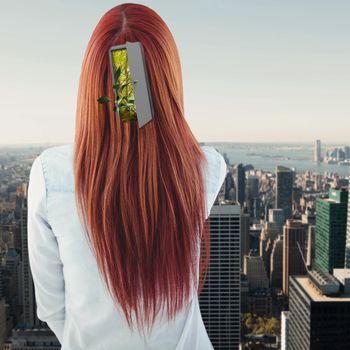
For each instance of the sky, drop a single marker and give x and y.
(253, 70)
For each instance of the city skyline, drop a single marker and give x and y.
(284, 68)
(274, 251)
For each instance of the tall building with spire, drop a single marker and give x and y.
(294, 251)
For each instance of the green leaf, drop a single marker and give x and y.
(103, 99)
(117, 74)
(123, 86)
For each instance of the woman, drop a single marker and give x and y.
(115, 219)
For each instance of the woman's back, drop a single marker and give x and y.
(71, 295)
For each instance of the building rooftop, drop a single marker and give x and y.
(337, 195)
(321, 277)
(341, 274)
(225, 208)
(315, 294)
(325, 282)
(281, 168)
(294, 223)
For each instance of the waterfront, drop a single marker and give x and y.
(267, 156)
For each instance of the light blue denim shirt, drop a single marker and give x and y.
(70, 294)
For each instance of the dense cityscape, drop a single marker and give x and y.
(279, 273)
(293, 268)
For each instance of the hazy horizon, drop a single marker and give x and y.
(291, 143)
(252, 71)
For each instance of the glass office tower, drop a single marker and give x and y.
(220, 297)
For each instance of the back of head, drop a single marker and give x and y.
(139, 191)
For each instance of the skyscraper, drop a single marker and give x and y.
(252, 192)
(245, 236)
(347, 247)
(331, 219)
(284, 190)
(220, 297)
(276, 264)
(29, 304)
(317, 153)
(267, 237)
(311, 246)
(294, 250)
(277, 216)
(255, 271)
(229, 187)
(347, 152)
(319, 313)
(240, 183)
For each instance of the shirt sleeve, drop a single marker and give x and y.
(214, 175)
(44, 258)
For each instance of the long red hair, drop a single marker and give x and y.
(140, 192)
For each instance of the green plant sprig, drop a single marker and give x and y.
(125, 102)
